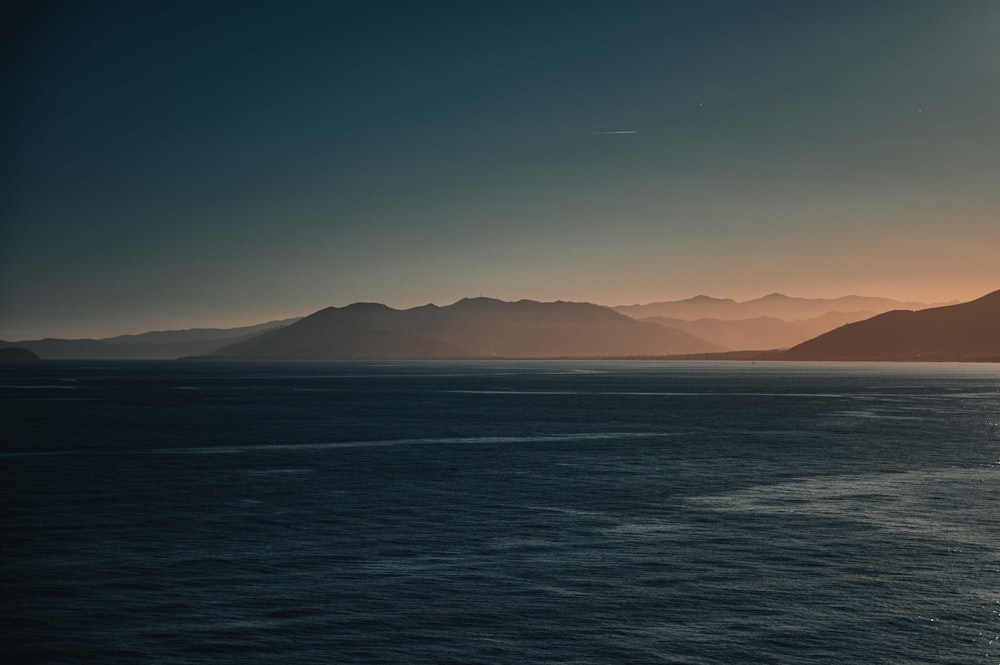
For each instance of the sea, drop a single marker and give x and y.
(499, 512)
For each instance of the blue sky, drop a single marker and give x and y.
(176, 164)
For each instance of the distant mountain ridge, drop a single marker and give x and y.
(197, 334)
(775, 305)
(762, 332)
(485, 327)
(469, 328)
(964, 332)
(165, 344)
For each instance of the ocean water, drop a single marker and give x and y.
(499, 512)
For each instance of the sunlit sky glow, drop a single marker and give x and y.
(178, 164)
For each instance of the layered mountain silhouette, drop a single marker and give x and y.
(762, 332)
(775, 305)
(775, 321)
(484, 328)
(151, 345)
(469, 328)
(965, 332)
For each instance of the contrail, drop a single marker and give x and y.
(625, 131)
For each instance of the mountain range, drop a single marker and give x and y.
(775, 321)
(775, 305)
(762, 332)
(469, 328)
(486, 328)
(965, 332)
(151, 345)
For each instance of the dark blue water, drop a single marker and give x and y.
(499, 512)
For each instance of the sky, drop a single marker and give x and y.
(178, 164)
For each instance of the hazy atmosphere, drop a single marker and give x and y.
(558, 332)
(178, 164)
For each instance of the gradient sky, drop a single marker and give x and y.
(177, 164)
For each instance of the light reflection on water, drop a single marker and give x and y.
(500, 512)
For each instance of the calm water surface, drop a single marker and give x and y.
(499, 512)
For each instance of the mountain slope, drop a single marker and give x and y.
(469, 328)
(969, 331)
(152, 345)
(192, 335)
(14, 353)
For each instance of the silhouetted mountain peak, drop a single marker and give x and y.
(480, 301)
(469, 328)
(703, 299)
(364, 306)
